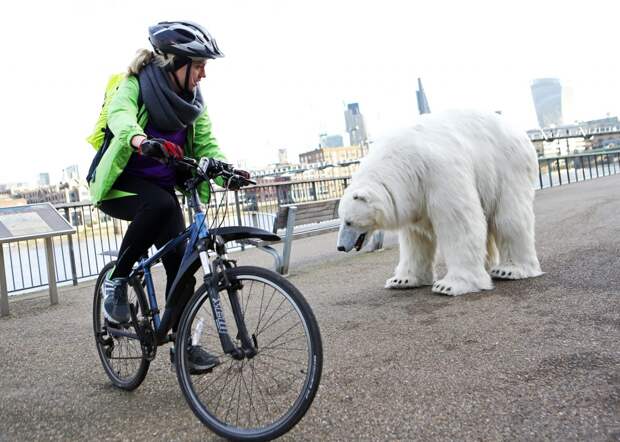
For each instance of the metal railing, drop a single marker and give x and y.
(567, 169)
(98, 236)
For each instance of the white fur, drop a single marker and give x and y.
(459, 182)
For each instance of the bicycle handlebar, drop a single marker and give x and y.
(210, 168)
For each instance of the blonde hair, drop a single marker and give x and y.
(144, 57)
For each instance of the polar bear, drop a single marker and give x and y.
(459, 183)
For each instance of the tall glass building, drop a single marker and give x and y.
(355, 124)
(547, 95)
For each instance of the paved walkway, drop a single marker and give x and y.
(537, 359)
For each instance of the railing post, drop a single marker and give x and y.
(596, 166)
(549, 173)
(4, 292)
(314, 190)
(71, 252)
(540, 176)
(575, 167)
(238, 207)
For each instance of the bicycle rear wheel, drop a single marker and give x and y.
(263, 397)
(122, 357)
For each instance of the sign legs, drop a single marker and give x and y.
(51, 270)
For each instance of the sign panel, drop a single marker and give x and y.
(32, 221)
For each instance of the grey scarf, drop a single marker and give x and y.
(168, 111)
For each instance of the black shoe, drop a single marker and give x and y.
(115, 306)
(200, 360)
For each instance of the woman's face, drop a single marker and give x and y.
(197, 73)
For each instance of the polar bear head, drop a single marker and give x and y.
(359, 216)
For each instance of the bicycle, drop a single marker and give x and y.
(268, 374)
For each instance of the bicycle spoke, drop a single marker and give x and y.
(258, 332)
(247, 302)
(260, 317)
(239, 395)
(215, 380)
(279, 358)
(281, 370)
(288, 341)
(251, 401)
(267, 391)
(231, 397)
(224, 384)
(263, 395)
(280, 335)
(275, 367)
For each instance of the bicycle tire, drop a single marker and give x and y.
(134, 376)
(312, 356)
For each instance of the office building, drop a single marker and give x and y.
(423, 107)
(44, 179)
(547, 95)
(355, 125)
(330, 140)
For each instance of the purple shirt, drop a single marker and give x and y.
(151, 169)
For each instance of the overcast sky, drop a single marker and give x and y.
(291, 66)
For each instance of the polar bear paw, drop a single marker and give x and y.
(407, 282)
(458, 286)
(509, 272)
(444, 287)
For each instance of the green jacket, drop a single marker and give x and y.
(125, 121)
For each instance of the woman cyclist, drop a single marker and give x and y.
(156, 114)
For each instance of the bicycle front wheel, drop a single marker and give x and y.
(263, 397)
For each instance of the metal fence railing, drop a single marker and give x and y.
(567, 169)
(98, 236)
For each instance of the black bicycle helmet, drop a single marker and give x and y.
(184, 39)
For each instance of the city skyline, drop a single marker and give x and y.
(284, 79)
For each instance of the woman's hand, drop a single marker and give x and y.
(238, 180)
(160, 149)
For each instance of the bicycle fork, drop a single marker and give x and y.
(247, 349)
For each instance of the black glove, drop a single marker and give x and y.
(211, 167)
(238, 180)
(160, 149)
(245, 174)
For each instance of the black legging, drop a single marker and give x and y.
(156, 217)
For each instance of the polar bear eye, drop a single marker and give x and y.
(347, 223)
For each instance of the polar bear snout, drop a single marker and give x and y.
(350, 238)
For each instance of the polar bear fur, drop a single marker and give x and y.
(459, 182)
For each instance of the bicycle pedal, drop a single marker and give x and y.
(108, 351)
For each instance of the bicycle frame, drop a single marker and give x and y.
(198, 240)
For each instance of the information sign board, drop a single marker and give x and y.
(33, 221)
